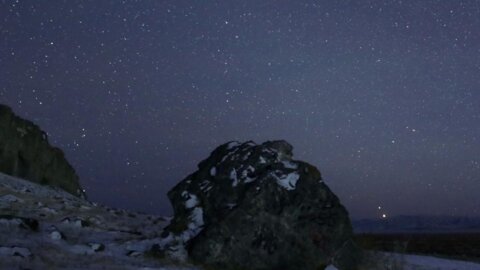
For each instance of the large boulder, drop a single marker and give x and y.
(25, 152)
(252, 206)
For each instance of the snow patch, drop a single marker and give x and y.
(413, 262)
(288, 181)
(191, 201)
(195, 226)
(233, 176)
(250, 143)
(231, 205)
(289, 165)
(213, 171)
(197, 218)
(245, 177)
(231, 145)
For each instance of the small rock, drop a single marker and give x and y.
(93, 220)
(97, 247)
(66, 220)
(25, 190)
(15, 251)
(155, 252)
(21, 222)
(49, 210)
(133, 253)
(80, 223)
(56, 235)
(30, 223)
(9, 198)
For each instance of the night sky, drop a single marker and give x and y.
(382, 96)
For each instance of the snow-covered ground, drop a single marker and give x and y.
(45, 228)
(416, 262)
(396, 261)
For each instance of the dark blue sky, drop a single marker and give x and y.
(382, 96)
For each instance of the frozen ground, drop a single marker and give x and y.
(392, 261)
(415, 262)
(395, 261)
(44, 228)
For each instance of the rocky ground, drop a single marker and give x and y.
(45, 228)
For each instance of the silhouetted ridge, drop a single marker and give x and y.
(25, 152)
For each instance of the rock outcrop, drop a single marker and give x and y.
(25, 152)
(252, 206)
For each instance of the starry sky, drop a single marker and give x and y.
(382, 96)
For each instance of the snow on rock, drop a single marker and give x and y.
(245, 174)
(246, 156)
(289, 165)
(191, 201)
(235, 205)
(288, 181)
(177, 252)
(197, 218)
(213, 171)
(195, 225)
(233, 176)
(231, 145)
(231, 205)
(331, 267)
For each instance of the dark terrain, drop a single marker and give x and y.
(461, 246)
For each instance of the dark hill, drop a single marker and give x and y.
(25, 152)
